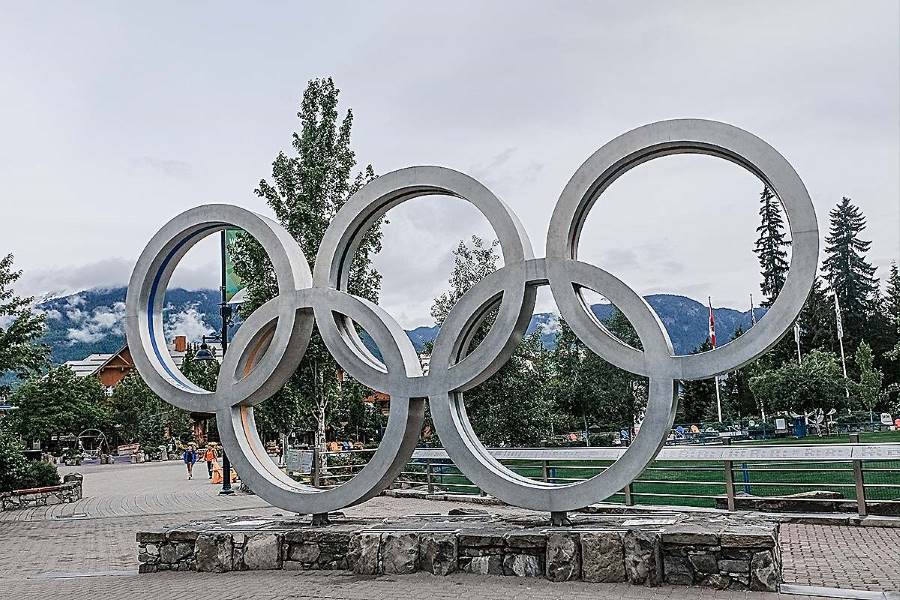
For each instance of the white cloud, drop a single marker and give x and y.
(102, 322)
(189, 322)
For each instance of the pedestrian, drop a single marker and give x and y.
(210, 458)
(190, 457)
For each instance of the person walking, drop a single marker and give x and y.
(190, 457)
(210, 458)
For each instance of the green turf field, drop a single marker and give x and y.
(691, 483)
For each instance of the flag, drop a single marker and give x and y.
(797, 332)
(837, 318)
(752, 311)
(233, 283)
(712, 324)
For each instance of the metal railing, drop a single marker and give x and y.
(730, 476)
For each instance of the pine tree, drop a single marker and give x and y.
(737, 398)
(850, 275)
(771, 247)
(697, 401)
(20, 328)
(307, 189)
(891, 303)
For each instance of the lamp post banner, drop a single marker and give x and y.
(270, 344)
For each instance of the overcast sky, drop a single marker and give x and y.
(117, 116)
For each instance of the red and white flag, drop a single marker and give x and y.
(712, 324)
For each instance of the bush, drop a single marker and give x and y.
(12, 462)
(38, 474)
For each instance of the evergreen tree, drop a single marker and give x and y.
(817, 324)
(697, 401)
(771, 247)
(306, 190)
(737, 399)
(20, 328)
(850, 275)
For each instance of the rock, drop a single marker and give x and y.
(483, 565)
(749, 537)
(717, 581)
(306, 552)
(734, 566)
(467, 512)
(688, 534)
(763, 572)
(262, 552)
(530, 540)
(437, 553)
(363, 553)
(183, 550)
(150, 537)
(522, 565)
(399, 552)
(182, 535)
(678, 570)
(481, 540)
(145, 568)
(704, 562)
(152, 549)
(602, 557)
(167, 554)
(214, 552)
(563, 556)
(643, 564)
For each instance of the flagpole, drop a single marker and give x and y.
(797, 340)
(712, 341)
(840, 336)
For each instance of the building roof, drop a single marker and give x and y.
(94, 363)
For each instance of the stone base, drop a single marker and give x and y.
(721, 551)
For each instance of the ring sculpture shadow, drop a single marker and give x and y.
(270, 344)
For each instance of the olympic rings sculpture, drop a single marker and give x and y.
(270, 344)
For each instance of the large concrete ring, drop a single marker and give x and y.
(240, 438)
(686, 136)
(144, 326)
(475, 461)
(354, 219)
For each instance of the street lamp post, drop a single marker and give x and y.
(205, 354)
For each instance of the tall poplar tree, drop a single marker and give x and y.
(850, 275)
(771, 247)
(307, 187)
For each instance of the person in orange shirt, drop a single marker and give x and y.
(210, 458)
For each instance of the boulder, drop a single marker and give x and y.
(522, 565)
(214, 552)
(363, 553)
(603, 557)
(763, 572)
(437, 553)
(399, 552)
(643, 557)
(262, 552)
(563, 556)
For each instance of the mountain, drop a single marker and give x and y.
(91, 321)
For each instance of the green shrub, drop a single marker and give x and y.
(38, 474)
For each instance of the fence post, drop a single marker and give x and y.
(729, 480)
(629, 499)
(545, 471)
(859, 480)
(315, 466)
(428, 477)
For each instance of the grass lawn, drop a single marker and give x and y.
(685, 483)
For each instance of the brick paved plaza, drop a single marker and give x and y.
(87, 549)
